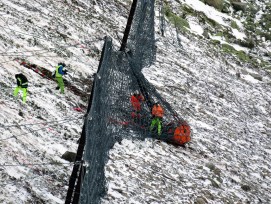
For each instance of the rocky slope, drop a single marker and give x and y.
(212, 66)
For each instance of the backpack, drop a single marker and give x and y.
(182, 134)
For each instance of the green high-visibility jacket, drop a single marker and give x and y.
(59, 71)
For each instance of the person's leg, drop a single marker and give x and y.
(153, 123)
(159, 127)
(60, 84)
(24, 94)
(16, 91)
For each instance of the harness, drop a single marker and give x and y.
(23, 85)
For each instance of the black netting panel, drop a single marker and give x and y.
(141, 42)
(111, 117)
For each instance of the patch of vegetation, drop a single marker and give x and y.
(234, 25)
(253, 9)
(261, 33)
(264, 64)
(265, 23)
(269, 70)
(242, 56)
(250, 26)
(228, 48)
(249, 43)
(213, 23)
(219, 34)
(188, 10)
(216, 42)
(239, 54)
(218, 4)
(176, 20)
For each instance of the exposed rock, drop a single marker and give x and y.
(21, 113)
(218, 4)
(214, 183)
(211, 166)
(200, 200)
(206, 33)
(221, 95)
(256, 76)
(238, 6)
(249, 43)
(69, 156)
(246, 187)
(217, 171)
(207, 194)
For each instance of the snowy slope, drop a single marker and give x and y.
(226, 102)
(230, 118)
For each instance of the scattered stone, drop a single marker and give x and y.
(244, 72)
(256, 76)
(200, 200)
(214, 183)
(221, 95)
(217, 171)
(207, 194)
(206, 33)
(227, 200)
(246, 187)
(211, 166)
(21, 113)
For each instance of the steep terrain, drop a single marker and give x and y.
(213, 66)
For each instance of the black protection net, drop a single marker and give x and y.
(112, 117)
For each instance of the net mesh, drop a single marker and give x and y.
(112, 117)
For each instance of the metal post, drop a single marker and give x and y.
(74, 174)
(128, 26)
(78, 185)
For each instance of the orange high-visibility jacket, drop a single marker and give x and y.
(157, 111)
(136, 100)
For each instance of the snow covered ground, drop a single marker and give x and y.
(226, 102)
(228, 158)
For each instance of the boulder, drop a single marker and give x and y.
(69, 156)
(246, 187)
(238, 6)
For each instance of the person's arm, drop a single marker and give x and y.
(19, 82)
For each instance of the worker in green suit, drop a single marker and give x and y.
(59, 72)
(22, 84)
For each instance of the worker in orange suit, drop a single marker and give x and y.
(136, 100)
(157, 114)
